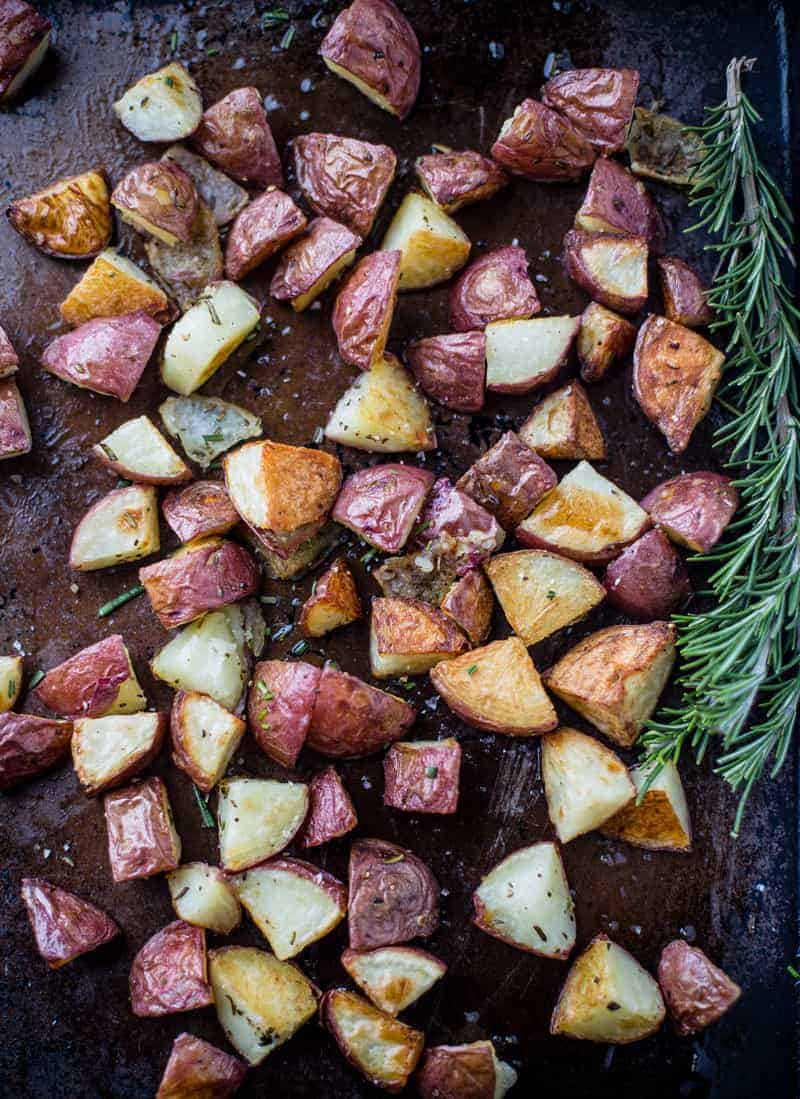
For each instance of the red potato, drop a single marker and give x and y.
(221, 195)
(362, 314)
(649, 579)
(64, 926)
(138, 451)
(456, 179)
(469, 603)
(24, 39)
(115, 287)
(15, 430)
(187, 269)
(333, 602)
(685, 297)
(200, 577)
(696, 991)
(464, 1072)
(598, 102)
(617, 202)
(408, 636)
(343, 178)
(198, 1070)
(257, 818)
(610, 267)
(381, 503)
(457, 525)
(693, 509)
(264, 226)
(524, 354)
(384, 1050)
(373, 46)
(493, 288)
(107, 751)
(200, 510)
(393, 977)
(422, 776)
(169, 974)
(204, 737)
(451, 369)
(142, 840)
(564, 426)
(331, 813)
(312, 263)
(603, 338)
(29, 746)
(540, 144)
(70, 219)
(352, 718)
(121, 526)
(234, 134)
(158, 198)
(107, 355)
(393, 896)
(279, 707)
(9, 360)
(509, 480)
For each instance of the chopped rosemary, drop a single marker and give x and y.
(205, 812)
(288, 38)
(269, 600)
(36, 679)
(215, 437)
(282, 631)
(118, 600)
(265, 691)
(299, 648)
(472, 669)
(431, 772)
(12, 688)
(368, 556)
(173, 42)
(274, 18)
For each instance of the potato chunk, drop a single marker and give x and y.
(685, 297)
(121, 526)
(257, 819)
(564, 426)
(614, 677)
(455, 179)
(11, 676)
(612, 268)
(364, 307)
(235, 135)
(470, 604)
(604, 338)
(169, 974)
(203, 896)
(107, 355)
(524, 354)
(693, 509)
(142, 840)
(264, 226)
(139, 452)
(661, 822)
(540, 144)
(163, 106)
(280, 705)
(208, 426)
(407, 637)
(455, 527)
(221, 195)
(158, 198)
(663, 148)
(352, 718)
(200, 510)
(451, 369)
(15, 429)
(598, 102)
(24, 41)
(96, 681)
(494, 287)
(470, 1071)
(29, 746)
(422, 776)
(393, 977)
(617, 202)
(585, 783)
(649, 579)
(114, 287)
(313, 262)
(393, 896)
(9, 360)
(333, 603)
(70, 219)
(107, 751)
(331, 813)
(698, 993)
(384, 1050)
(196, 1068)
(204, 737)
(343, 178)
(185, 269)
(64, 926)
(382, 411)
(381, 503)
(433, 246)
(509, 480)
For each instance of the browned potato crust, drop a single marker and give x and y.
(649, 579)
(343, 178)
(362, 315)
(697, 992)
(509, 480)
(604, 337)
(693, 509)
(493, 288)
(617, 202)
(564, 426)
(685, 297)
(70, 219)
(610, 267)
(24, 38)
(456, 179)
(598, 102)
(333, 603)
(234, 134)
(158, 197)
(114, 287)
(264, 226)
(198, 1070)
(540, 144)
(64, 926)
(469, 603)
(451, 369)
(383, 1049)
(407, 637)
(394, 897)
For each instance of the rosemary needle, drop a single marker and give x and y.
(118, 600)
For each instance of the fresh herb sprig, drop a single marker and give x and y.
(740, 674)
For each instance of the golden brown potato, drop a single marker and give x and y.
(661, 821)
(470, 604)
(257, 818)
(407, 637)
(662, 148)
(693, 509)
(333, 602)
(494, 287)
(385, 1050)
(598, 102)
(15, 429)
(614, 678)
(585, 783)
(264, 226)
(698, 993)
(610, 267)
(617, 202)
(603, 338)
(313, 262)
(24, 39)
(70, 219)
(204, 738)
(196, 1068)
(675, 374)
(383, 411)
(362, 315)
(509, 480)
(455, 179)
(685, 297)
(343, 178)
(432, 246)
(158, 198)
(186, 269)
(564, 426)
(451, 369)
(394, 977)
(540, 144)
(234, 134)
(114, 287)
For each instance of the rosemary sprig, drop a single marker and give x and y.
(740, 674)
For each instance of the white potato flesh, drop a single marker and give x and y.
(11, 672)
(289, 909)
(619, 270)
(203, 896)
(206, 335)
(162, 106)
(137, 450)
(260, 1001)
(521, 354)
(257, 818)
(434, 247)
(372, 94)
(383, 411)
(207, 656)
(394, 977)
(209, 735)
(525, 901)
(661, 822)
(246, 484)
(130, 697)
(106, 749)
(585, 782)
(504, 1077)
(32, 63)
(123, 526)
(383, 1048)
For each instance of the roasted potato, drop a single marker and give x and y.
(585, 783)
(9, 360)
(675, 374)
(564, 426)
(224, 198)
(291, 902)
(30, 745)
(169, 974)
(203, 896)
(333, 602)
(609, 266)
(107, 751)
(142, 840)
(469, 603)
(464, 1072)
(364, 307)
(107, 355)
(343, 178)
(383, 412)
(649, 579)
(525, 901)
(428, 574)
(307, 556)
(330, 812)
(265, 226)
(24, 40)
(661, 821)
(383, 1049)
(693, 509)
(608, 997)
(313, 262)
(455, 179)
(163, 106)
(407, 637)
(186, 269)
(540, 144)
(260, 1001)
(685, 297)
(196, 1068)
(257, 818)
(585, 517)
(541, 592)
(615, 677)
(11, 676)
(121, 526)
(663, 148)
(201, 577)
(393, 977)
(204, 737)
(697, 992)
(70, 219)
(493, 288)
(598, 102)
(433, 247)
(524, 354)
(509, 480)
(422, 776)
(280, 705)
(451, 369)
(373, 46)
(393, 896)
(235, 135)
(455, 525)
(158, 198)
(115, 287)
(138, 451)
(15, 430)
(381, 503)
(64, 926)
(603, 338)
(496, 688)
(352, 718)
(208, 426)
(200, 510)
(617, 202)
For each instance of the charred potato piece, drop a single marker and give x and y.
(107, 751)
(661, 821)
(204, 737)
(564, 426)
(662, 148)
(693, 509)
(540, 144)
(114, 287)
(509, 480)
(453, 523)
(312, 263)
(257, 819)
(29, 746)
(422, 776)
(70, 219)
(343, 178)
(524, 354)
(15, 430)
(585, 783)
(208, 426)
(333, 603)
(598, 102)
(649, 579)
(186, 269)
(200, 510)
(224, 198)
(464, 1072)
(203, 896)
(64, 926)
(138, 451)
(455, 179)
(235, 135)
(330, 813)
(393, 896)
(11, 676)
(469, 603)
(24, 40)
(9, 360)
(121, 526)
(107, 355)
(493, 288)
(610, 267)
(362, 314)
(685, 297)
(169, 973)
(142, 840)
(697, 992)
(163, 106)
(603, 338)
(265, 226)
(675, 374)
(407, 637)
(352, 718)
(158, 198)
(393, 977)
(280, 705)
(197, 1068)
(383, 412)
(617, 202)
(381, 503)
(433, 247)
(381, 1048)
(451, 369)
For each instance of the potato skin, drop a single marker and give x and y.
(578, 247)
(617, 202)
(64, 925)
(9, 360)
(235, 135)
(86, 684)
(107, 354)
(21, 30)
(161, 193)
(540, 144)
(199, 510)
(456, 179)
(494, 287)
(401, 1044)
(198, 579)
(422, 777)
(380, 503)
(364, 307)
(70, 219)
(509, 480)
(457, 1072)
(29, 746)
(15, 430)
(221, 195)
(196, 1068)
(451, 369)
(261, 229)
(470, 602)
(598, 102)
(280, 705)
(139, 824)
(352, 718)
(330, 811)
(393, 898)
(454, 522)
(603, 338)
(696, 991)
(685, 297)
(169, 972)
(649, 579)
(306, 261)
(694, 509)
(343, 178)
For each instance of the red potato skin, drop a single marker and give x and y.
(696, 991)
(306, 261)
(542, 145)
(451, 369)
(168, 974)
(234, 134)
(29, 746)
(107, 354)
(280, 723)
(144, 189)
(375, 41)
(470, 603)
(649, 579)
(331, 813)
(264, 226)
(364, 305)
(380, 503)
(624, 202)
(87, 683)
(198, 1070)
(327, 1015)
(455, 179)
(393, 896)
(139, 839)
(180, 756)
(15, 435)
(575, 241)
(409, 783)
(598, 102)
(198, 580)
(21, 30)
(509, 480)
(199, 510)
(451, 516)
(343, 178)
(694, 509)
(9, 360)
(685, 297)
(456, 1072)
(302, 869)
(64, 926)
(495, 287)
(352, 719)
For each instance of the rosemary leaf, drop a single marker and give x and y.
(118, 600)
(205, 813)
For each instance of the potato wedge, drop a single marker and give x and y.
(142, 839)
(291, 902)
(383, 1049)
(196, 1068)
(208, 426)
(204, 737)
(685, 297)
(266, 225)
(139, 452)
(279, 707)
(496, 688)
(610, 267)
(257, 818)
(470, 1071)
(158, 198)
(15, 429)
(598, 102)
(697, 992)
(261, 1002)
(114, 287)
(333, 603)
(525, 901)
(470, 604)
(661, 822)
(451, 369)
(509, 480)
(614, 677)
(29, 746)
(693, 509)
(393, 896)
(675, 374)
(186, 269)
(433, 247)
(169, 974)
(203, 896)
(12, 671)
(203, 576)
(524, 354)
(343, 178)
(311, 264)
(383, 412)
(107, 355)
(617, 202)
(393, 977)
(235, 135)
(585, 783)
(364, 307)
(64, 925)
(107, 751)
(224, 198)
(452, 524)
(422, 776)
(585, 517)
(163, 106)
(649, 579)
(24, 41)
(564, 426)
(200, 510)
(494, 287)
(351, 718)
(540, 144)
(70, 219)
(604, 337)
(407, 637)
(381, 503)
(331, 813)
(663, 148)
(9, 360)
(121, 526)
(541, 592)
(455, 179)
